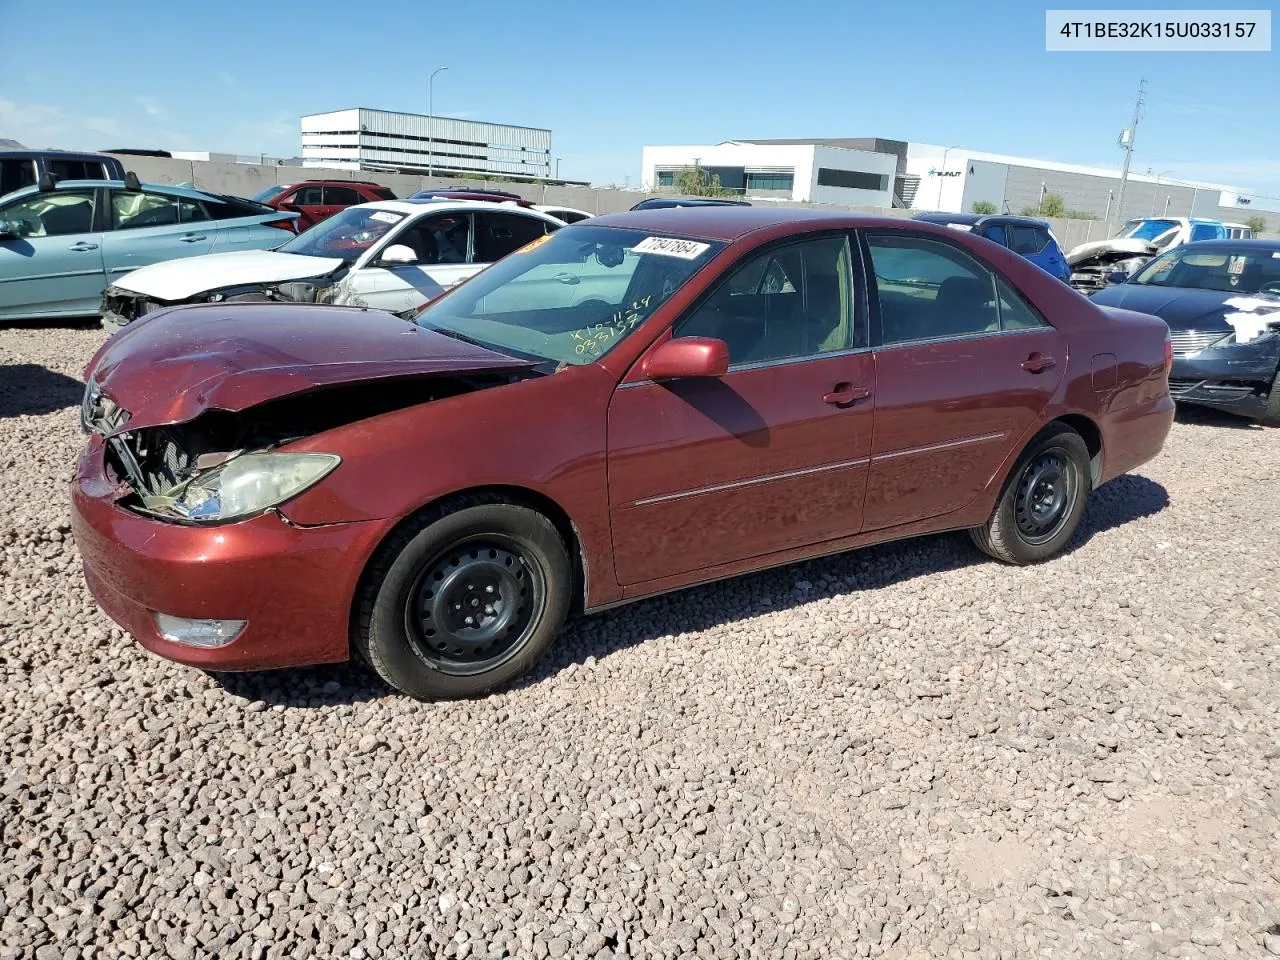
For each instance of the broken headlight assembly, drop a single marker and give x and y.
(243, 486)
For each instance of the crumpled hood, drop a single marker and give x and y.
(1104, 250)
(174, 280)
(173, 364)
(1181, 308)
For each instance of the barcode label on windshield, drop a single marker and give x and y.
(671, 247)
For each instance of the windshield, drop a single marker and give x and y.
(1246, 269)
(571, 296)
(345, 235)
(262, 196)
(1145, 229)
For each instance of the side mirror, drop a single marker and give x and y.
(396, 255)
(8, 230)
(1117, 276)
(688, 357)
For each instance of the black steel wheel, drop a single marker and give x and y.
(1043, 500)
(474, 605)
(463, 598)
(1045, 493)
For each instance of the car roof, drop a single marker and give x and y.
(444, 205)
(24, 152)
(170, 188)
(1228, 244)
(975, 218)
(730, 223)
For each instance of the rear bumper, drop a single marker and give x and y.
(293, 585)
(1135, 435)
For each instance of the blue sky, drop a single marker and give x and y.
(609, 78)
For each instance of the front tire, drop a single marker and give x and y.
(463, 599)
(1271, 418)
(1043, 500)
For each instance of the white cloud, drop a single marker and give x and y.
(150, 106)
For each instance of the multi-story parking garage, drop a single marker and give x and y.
(364, 139)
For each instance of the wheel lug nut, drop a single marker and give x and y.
(469, 621)
(489, 589)
(489, 609)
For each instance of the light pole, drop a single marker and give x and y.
(1156, 189)
(431, 119)
(558, 159)
(942, 172)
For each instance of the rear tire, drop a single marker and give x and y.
(464, 599)
(1043, 500)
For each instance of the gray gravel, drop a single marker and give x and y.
(904, 752)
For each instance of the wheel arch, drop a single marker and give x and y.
(1091, 434)
(496, 493)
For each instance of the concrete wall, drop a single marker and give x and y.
(244, 180)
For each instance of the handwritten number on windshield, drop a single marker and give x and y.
(595, 338)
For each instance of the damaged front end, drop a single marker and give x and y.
(1092, 264)
(121, 307)
(225, 466)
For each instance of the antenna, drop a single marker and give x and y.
(1126, 140)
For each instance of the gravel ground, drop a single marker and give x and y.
(903, 752)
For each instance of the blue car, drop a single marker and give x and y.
(1025, 236)
(62, 243)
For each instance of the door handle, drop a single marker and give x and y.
(1038, 363)
(190, 239)
(83, 247)
(567, 278)
(846, 394)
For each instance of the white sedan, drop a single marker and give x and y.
(392, 254)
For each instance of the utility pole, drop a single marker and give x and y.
(1127, 139)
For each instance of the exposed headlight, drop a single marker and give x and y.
(247, 484)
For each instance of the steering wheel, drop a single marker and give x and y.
(1271, 286)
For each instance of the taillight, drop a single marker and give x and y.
(286, 224)
(1168, 355)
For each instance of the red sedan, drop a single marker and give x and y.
(630, 405)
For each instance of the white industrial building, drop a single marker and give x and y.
(783, 170)
(364, 139)
(877, 172)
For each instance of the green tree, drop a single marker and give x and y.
(1256, 224)
(697, 181)
(983, 207)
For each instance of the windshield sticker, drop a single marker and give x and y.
(671, 247)
(1236, 265)
(535, 243)
(386, 216)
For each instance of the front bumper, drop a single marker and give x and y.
(294, 585)
(1235, 378)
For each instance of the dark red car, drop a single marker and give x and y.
(627, 406)
(318, 200)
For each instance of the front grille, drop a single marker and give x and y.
(1188, 342)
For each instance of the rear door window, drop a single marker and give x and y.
(16, 173)
(340, 197)
(134, 211)
(1207, 231)
(498, 234)
(1027, 241)
(77, 169)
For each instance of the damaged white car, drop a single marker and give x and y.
(392, 255)
(1098, 263)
